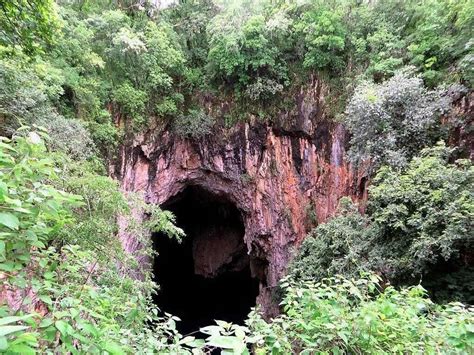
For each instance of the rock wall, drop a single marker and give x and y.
(284, 177)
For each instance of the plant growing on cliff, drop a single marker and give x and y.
(418, 225)
(424, 213)
(24, 97)
(194, 124)
(33, 212)
(244, 54)
(338, 246)
(390, 122)
(29, 25)
(323, 33)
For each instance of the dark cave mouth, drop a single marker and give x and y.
(207, 276)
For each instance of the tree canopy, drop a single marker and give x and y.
(80, 78)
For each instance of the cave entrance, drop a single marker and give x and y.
(207, 276)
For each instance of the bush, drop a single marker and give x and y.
(351, 316)
(70, 137)
(361, 316)
(132, 103)
(323, 34)
(244, 53)
(418, 226)
(33, 211)
(105, 136)
(392, 121)
(338, 246)
(194, 125)
(424, 213)
(24, 97)
(87, 303)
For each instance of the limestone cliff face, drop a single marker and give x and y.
(284, 178)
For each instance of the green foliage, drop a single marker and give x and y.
(335, 247)
(151, 61)
(92, 308)
(132, 102)
(105, 136)
(100, 52)
(392, 121)
(441, 37)
(91, 72)
(244, 53)
(95, 221)
(418, 225)
(231, 338)
(60, 252)
(190, 19)
(70, 137)
(195, 124)
(323, 34)
(356, 316)
(24, 97)
(33, 212)
(424, 213)
(341, 315)
(27, 23)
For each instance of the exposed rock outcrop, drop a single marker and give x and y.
(284, 178)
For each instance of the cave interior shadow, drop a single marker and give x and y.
(207, 275)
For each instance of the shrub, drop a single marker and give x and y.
(418, 226)
(244, 53)
(88, 303)
(351, 316)
(323, 34)
(105, 135)
(424, 213)
(132, 103)
(341, 315)
(24, 97)
(392, 121)
(263, 89)
(70, 137)
(338, 246)
(194, 125)
(30, 26)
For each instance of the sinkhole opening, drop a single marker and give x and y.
(207, 276)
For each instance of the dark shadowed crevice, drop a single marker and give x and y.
(206, 276)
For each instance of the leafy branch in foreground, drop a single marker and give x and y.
(61, 263)
(352, 316)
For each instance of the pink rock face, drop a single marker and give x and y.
(284, 181)
(284, 178)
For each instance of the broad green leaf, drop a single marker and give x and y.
(46, 299)
(3, 343)
(89, 328)
(211, 330)
(9, 220)
(223, 324)
(9, 329)
(22, 349)
(46, 322)
(13, 319)
(187, 340)
(64, 327)
(113, 348)
(224, 342)
(2, 249)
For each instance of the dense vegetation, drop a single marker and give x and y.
(77, 78)
(418, 220)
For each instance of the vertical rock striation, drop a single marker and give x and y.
(284, 178)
